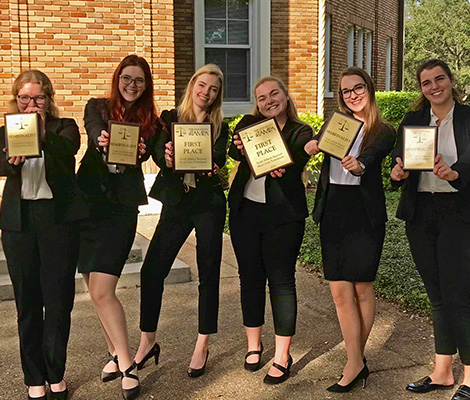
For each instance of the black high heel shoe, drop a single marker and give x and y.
(197, 372)
(110, 376)
(62, 395)
(257, 365)
(274, 380)
(154, 352)
(337, 388)
(130, 394)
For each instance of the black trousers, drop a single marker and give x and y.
(440, 244)
(41, 261)
(170, 234)
(265, 250)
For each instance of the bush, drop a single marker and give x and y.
(394, 105)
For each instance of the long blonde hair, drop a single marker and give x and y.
(214, 112)
(34, 76)
(291, 108)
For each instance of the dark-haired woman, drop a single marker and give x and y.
(39, 239)
(436, 208)
(350, 207)
(114, 193)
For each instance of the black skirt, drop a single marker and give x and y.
(106, 238)
(351, 247)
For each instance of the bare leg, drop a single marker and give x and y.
(281, 355)
(111, 314)
(253, 336)
(200, 351)
(147, 340)
(36, 391)
(442, 373)
(344, 297)
(466, 375)
(365, 299)
(58, 387)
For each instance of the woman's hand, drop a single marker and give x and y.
(278, 173)
(169, 154)
(397, 173)
(103, 140)
(42, 119)
(142, 148)
(215, 171)
(237, 142)
(15, 160)
(443, 171)
(351, 164)
(311, 147)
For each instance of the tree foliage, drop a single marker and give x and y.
(438, 29)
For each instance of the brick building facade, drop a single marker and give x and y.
(79, 43)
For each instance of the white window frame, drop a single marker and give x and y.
(360, 48)
(369, 52)
(260, 39)
(350, 45)
(328, 92)
(388, 65)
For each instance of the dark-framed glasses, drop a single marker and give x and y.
(359, 89)
(127, 80)
(25, 99)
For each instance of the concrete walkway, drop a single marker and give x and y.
(400, 349)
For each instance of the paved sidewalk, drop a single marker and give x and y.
(400, 348)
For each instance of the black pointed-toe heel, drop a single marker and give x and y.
(154, 352)
(257, 365)
(197, 372)
(274, 380)
(363, 375)
(110, 376)
(130, 394)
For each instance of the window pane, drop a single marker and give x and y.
(215, 32)
(237, 88)
(215, 8)
(238, 32)
(238, 9)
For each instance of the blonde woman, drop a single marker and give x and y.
(190, 201)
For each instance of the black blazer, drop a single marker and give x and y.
(61, 144)
(461, 122)
(168, 186)
(126, 188)
(371, 180)
(285, 196)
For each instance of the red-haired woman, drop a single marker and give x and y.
(114, 193)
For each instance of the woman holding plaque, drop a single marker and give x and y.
(39, 237)
(350, 207)
(267, 221)
(436, 207)
(190, 201)
(114, 193)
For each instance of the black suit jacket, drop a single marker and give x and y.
(285, 196)
(461, 122)
(168, 186)
(61, 144)
(371, 180)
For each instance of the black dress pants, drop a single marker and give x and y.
(170, 234)
(41, 261)
(265, 250)
(440, 244)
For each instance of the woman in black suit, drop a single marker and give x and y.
(350, 207)
(267, 221)
(114, 193)
(436, 208)
(39, 239)
(190, 201)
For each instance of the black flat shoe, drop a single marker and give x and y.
(257, 365)
(129, 394)
(197, 372)
(462, 393)
(37, 398)
(274, 380)
(110, 376)
(60, 395)
(154, 352)
(425, 385)
(363, 375)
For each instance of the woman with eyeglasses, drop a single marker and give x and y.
(40, 237)
(190, 201)
(350, 207)
(114, 193)
(436, 207)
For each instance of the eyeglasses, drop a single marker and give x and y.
(359, 89)
(127, 80)
(24, 99)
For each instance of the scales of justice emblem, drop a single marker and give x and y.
(343, 125)
(22, 124)
(124, 133)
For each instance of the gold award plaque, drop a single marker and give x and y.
(22, 135)
(419, 147)
(123, 146)
(192, 147)
(339, 135)
(265, 147)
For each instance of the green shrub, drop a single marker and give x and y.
(394, 105)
